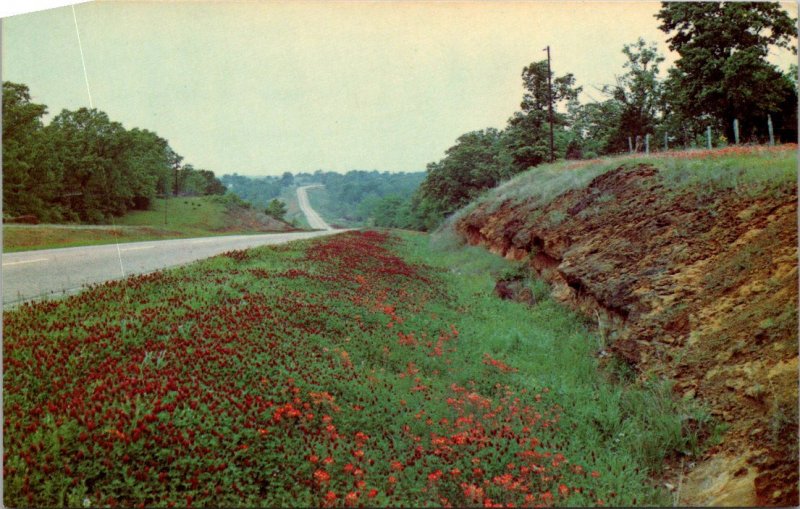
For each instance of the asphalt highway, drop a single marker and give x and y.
(314, 219)
(32, 275)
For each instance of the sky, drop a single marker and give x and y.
(259, 88)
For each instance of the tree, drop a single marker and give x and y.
(152, 160)
(527, 136)
(93, 154)
(212, 184)
(639, 94)
(287, 179)
(276, 209)
(31, 181)
(722, 73)
(597, 125)
(476, 162)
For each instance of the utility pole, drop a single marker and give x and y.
(550, 102)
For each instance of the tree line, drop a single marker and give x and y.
(363, 197)
(721, 79)
(83, 166)
(355, 198)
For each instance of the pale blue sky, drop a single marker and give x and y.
(262, 88)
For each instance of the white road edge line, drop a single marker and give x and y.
(137, 248)
(5, 264)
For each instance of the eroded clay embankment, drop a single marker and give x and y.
(695, 286)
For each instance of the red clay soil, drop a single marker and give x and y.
(701, 289)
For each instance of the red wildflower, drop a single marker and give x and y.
(472, 492)
(322, 476)
(435, 476)
(351, 498)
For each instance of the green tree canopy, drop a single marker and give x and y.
(276, 209)
(476, 162)
(639, 94)
(84, 166)
(92, 152)
(30, 180)
(722, 73)
(527, 136)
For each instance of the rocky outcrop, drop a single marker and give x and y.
(699, 287)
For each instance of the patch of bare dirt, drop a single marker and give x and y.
(700, 289)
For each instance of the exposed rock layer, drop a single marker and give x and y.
(698, 287)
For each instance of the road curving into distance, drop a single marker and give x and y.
(33, 275)
(314, 219)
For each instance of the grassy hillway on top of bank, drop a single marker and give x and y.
(360, 369)
(687, 263)
(186, 217)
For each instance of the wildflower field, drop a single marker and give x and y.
(346, 371)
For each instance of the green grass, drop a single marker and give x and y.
(185, 217)
(628, 428)
(176, 388)
(200, 214)
(27, 238)
(746, 170)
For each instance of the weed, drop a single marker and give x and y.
(555, 218)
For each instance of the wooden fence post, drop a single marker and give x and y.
(736, 130)
(771, 133)
(708, 137)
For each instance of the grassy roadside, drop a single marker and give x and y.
(33, 237)
(358, 369)
(746, 170)
(630, 431)
(185, 217)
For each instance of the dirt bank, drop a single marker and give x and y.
(698, 287)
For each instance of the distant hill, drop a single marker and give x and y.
(352, 199)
